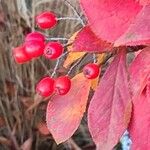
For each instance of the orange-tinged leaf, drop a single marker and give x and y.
(87, 41)
(94, 83)
(110, 107)
(72, 57)
(72, 38)
(109, 19)
(100, 58)
(64, 113)
(140, 84)
(139, 31)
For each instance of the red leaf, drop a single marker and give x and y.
(109, 19)
(86, 40)
(139, 32)
(139, 71)
(64, 113)
(110, 107)
(140, 122)
(140, 80)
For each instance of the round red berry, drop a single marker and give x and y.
(53, 50)
(91, 71)
(35, 36)
(34, 48)
(62, 85)
(46, 20)
(20, 54)
(45, 87)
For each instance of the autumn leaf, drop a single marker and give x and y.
(87, 41)
(94, 83)
(109, 19)
(72, 57)
(139, 127)
(139, 32)
(110, 107)
(139, 71)
(64, 113)
(140, 84)
(70, 41)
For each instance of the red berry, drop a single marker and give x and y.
(35, 36)
(20, 54)
(34, 48)
(91, 71)
(45, 87)
(62, 85)
(46, 20)
(53, 50)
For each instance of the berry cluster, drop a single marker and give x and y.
(35, 46)
(47, 86)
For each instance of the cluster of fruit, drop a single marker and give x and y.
(35, 46)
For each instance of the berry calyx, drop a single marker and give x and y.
(91, 71)
(53, 50)
(20, 55)
(62, 85)
(34, 48)
(45, 87)
(35, 36)
(46, 20)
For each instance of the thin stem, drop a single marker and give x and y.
(64, 54)
(57, 39)
(20, 83)
(70, 6)
(68, 18)
(94, 58)
(57, 64)
(55, 68)
(75, 11)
